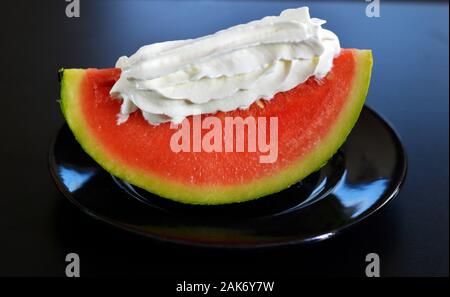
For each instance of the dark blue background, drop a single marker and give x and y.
(409, 87)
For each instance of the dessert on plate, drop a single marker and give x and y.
(229, 117)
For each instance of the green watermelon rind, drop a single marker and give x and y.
(211, 195)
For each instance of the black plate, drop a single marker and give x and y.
(366, 173)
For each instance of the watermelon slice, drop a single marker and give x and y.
(314, 120)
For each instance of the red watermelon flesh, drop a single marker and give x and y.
(314, 119)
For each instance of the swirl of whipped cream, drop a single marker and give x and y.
(228, 70)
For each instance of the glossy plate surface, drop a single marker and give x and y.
(366, 173)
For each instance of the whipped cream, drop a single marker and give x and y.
(228, 70)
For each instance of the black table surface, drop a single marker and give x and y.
(38, 227)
